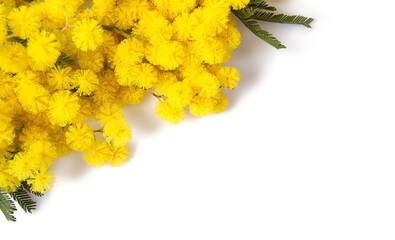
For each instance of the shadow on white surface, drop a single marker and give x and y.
(249, 59)
(71, 166)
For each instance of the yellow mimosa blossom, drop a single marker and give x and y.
(63, 108)
(13, 57)
(87, 34)
(117, 155)
(85, 81)
(68, 67)
(24, 21)
(59, 78)
(43, 48)
(65, 64)
(167, 112)
(21, 167)
(109, 112)
(117, 132)
(42, 181)
(98, 154)
(80, 137)
(8, 182)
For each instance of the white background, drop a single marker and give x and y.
(305, 150)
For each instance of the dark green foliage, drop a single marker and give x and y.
(260, 4)
(282, 18)
(24, 200)
(63, 58)
(21, 196)
(7, 206)
(19, 40)
(253, 13)
(246, 13)
(262, 34)
(27, 188)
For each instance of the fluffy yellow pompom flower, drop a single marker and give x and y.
(129, 95)
(179, 94)
(146, 75)
(98, 154)
(118, 155)
(202, 106)
(205, 83)
(80, 137)
(239, 4)
(42, 181)
(24, 21)
(129, 52)
(167, 112)
(21, 167)
(42, 153)
(8, 182)
(92, 60)
(117, 132)
(63, 108)
(7, 134)
(59, 78)
(128, 12)
(103, 8)
(33, 97)
(173, 8)
(43, 48)
(66, 62)
(85, 80)
(3, 23)
(167, 54)
(13, 57)
(87, 34)
(228, 77)
(109, 112)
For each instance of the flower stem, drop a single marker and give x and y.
(126, 35)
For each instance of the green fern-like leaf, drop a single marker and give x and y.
(63, 58)
(260, 4)
(254, 27)
(281, 18)
(24, 200)
(28, 189)
(7, 206)
(245, 13)
(19, 40)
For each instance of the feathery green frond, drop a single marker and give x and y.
(27, 188)
(24, 200)
(7, 206)
(281, 18)
(245, 13)
(260, 4)
(19, 40)
(254, 27)
(63, 58)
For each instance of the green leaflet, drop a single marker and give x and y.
(260, 4)
(262, 34)
(21, 196)
(245, 13)
(24, 200)
(282, 18)
(27, 188)
(253, 13)
(7, 206)
(63, 58)
(18, 40)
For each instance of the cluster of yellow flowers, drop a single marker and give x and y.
(64, 63)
